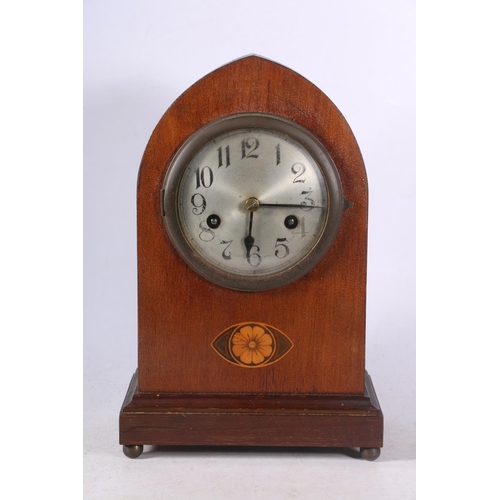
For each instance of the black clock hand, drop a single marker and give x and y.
(288, 205)
(249, 239)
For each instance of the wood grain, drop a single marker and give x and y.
(181, 313)
(326, 421)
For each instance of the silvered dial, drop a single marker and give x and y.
(252, 203)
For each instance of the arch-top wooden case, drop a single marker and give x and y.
(183, 392)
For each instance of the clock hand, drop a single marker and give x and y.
(249, 239)
(252, 204)
(288, 205)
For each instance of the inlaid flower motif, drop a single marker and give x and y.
(252, 345)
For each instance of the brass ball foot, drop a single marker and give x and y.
(133, 451)
(370, 454)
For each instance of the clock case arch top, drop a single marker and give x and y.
(180, 312)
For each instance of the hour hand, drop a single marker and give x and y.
(252, 204)
(249, 239)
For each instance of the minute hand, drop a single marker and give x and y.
(288, 205)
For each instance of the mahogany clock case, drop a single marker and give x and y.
(184, 392)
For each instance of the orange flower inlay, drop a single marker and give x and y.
(252, 345)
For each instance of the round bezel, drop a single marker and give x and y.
(212, 131)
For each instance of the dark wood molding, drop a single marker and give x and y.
(231, 420)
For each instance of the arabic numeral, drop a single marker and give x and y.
(282, 250)
(254, 258)
(248, 146)
(204, 177)
(301, 228)
(206, 233)
(199, 203)
(225, 254)
(308, 202)
(299, 170)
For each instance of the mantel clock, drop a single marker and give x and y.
(252, 208)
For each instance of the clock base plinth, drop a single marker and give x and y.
(252, 420)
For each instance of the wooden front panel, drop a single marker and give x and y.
(180, 313)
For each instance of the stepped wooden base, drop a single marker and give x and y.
(251, 420)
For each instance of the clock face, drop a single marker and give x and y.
(252, 202)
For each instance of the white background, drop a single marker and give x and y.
(138, 58)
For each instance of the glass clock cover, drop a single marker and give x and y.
(252, 202)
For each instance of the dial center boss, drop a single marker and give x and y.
(252, 204)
